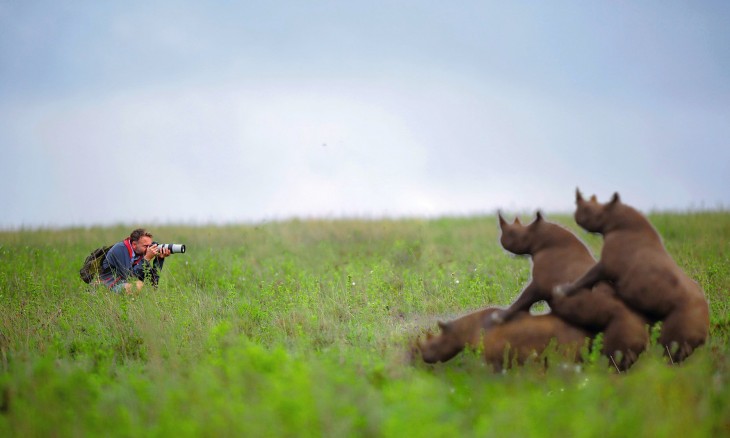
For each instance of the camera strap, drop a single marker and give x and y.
(128, 244)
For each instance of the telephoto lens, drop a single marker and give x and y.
(175, 248)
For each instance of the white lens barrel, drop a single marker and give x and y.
(176, 248)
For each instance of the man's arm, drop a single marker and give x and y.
(152, 269)
(118, 266)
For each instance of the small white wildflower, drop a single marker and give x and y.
(456, 281)
(353, 283)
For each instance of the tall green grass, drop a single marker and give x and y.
(302, 328)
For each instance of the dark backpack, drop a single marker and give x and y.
(92, 264)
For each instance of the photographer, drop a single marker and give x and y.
(130, 261)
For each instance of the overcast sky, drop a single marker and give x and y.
(216, 112)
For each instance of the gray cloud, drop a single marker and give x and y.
(230, 113)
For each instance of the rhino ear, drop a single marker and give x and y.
(615, 199)
(502, 222)
(578, 196)
(444, 326)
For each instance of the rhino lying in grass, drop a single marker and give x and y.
(524, 337)
(558, 257)
(643, 273)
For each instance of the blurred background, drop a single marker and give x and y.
(220, 112)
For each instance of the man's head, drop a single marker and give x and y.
(140, 240)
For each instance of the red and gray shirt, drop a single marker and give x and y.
(121, 263)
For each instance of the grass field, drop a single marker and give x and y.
(301, 328)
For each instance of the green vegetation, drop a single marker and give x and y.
(302, 328)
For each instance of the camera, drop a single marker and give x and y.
(175, 248)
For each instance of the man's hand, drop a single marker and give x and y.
(155, 251)
(164, 252)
